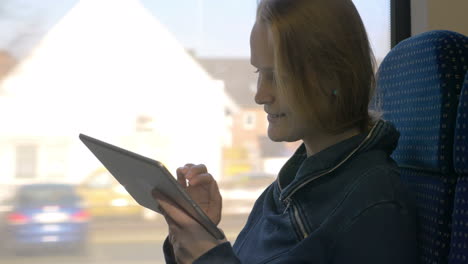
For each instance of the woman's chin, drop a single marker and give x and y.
(283, 135)
(276, 135)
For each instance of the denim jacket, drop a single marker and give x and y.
(345, 204)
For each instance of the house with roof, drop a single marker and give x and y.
(115, 74)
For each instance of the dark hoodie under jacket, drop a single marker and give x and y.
(345, 204)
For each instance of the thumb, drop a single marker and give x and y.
(171, 211)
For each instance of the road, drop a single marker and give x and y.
(123, 241)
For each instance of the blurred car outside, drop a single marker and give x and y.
(44, 215)
(107, 198)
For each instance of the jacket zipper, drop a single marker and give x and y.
(296, 217)
(287, 200)
(299, 221)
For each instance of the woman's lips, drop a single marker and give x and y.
(275, 117)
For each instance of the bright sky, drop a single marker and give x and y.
(213, 28)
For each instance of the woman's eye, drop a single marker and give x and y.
(269, 76)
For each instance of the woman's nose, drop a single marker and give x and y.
(264, 95)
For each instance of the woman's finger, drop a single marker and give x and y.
(181, 176)
(188, 166)
(171, 211)
(195, 170)
(201, 179)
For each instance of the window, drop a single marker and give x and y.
(249, 120)
(143, 75)
(376, 18)
(26, 162)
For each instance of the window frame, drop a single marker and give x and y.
(400, 24)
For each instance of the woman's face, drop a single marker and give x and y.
(283, 124)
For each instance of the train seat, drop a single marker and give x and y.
(418, 84)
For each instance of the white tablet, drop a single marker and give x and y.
(140, 175)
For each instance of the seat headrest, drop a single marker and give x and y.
(417, 87)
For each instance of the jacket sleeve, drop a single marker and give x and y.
(222, 253)
(168, 252)
(384, 233)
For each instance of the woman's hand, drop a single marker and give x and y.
(188, 238)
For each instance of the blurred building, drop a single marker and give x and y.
(109, 69)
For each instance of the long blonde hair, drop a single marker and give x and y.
(324, 65)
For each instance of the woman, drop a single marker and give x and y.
(339, 198)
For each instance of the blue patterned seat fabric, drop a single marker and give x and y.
(459, 244)
(418, 86)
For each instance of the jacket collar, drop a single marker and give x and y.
(300, 168)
